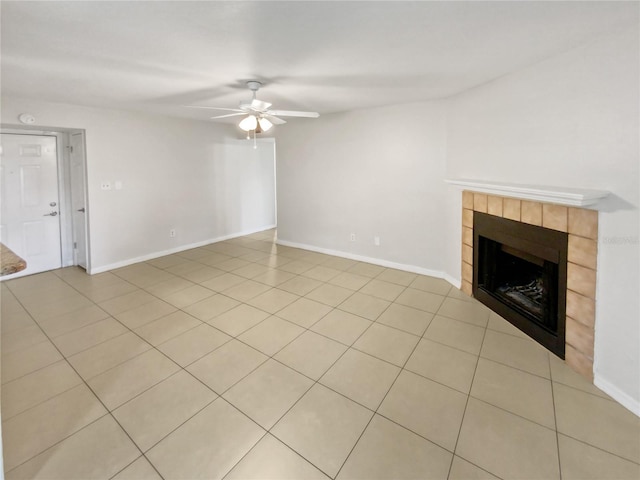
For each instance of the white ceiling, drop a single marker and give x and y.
(326, 56)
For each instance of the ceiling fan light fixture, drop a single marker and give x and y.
(265, 124)
(254, 114)
(249, 123)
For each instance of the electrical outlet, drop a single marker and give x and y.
(172, 232)
(105, 185)
(352, 237)
(376, 241)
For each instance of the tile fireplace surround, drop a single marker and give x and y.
(582, 226)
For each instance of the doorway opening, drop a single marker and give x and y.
(44, 198)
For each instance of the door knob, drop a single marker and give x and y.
(80, 210)
(52, 214)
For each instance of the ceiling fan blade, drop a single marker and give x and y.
(215, 108)
(229, 115)
(274, 120)
(293, 113)
(259, 105)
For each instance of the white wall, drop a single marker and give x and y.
(569, 121)
(248, 198)
(188, 175)
(371, 172)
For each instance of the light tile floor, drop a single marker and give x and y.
(245, 359)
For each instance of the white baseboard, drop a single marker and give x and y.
(624, 399)
(181, 248)
(456, 282)
(374, 261)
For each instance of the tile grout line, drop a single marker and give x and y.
(375, 412)
(348, 347)
(315, 382)
(555, 417)
(109, 412)
(179, 309)
(466, 405)
(141, 393)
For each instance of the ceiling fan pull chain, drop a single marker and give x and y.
(255, 144)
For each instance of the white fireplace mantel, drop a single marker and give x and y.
(574, 197)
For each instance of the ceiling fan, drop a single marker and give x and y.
(258, 115)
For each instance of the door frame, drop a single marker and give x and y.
(64, 187)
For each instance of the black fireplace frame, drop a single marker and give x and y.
(549, 245)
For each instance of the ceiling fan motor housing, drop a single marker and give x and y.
(253, 85)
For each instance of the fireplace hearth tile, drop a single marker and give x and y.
(467, 218)
(480, 202)
(580, 337)
(578, 361)
(467, 273)
(531, 213)
(467, 199)
(467, 254)
(494, 205)
(582, 226)
(581, 308)
(583, 222)
(581, 280)
(467, 236)
(554, 217)
(511, 209)
(583, 251)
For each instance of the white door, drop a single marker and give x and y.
(30, 220)
(78, 200)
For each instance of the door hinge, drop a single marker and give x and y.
(75, 245)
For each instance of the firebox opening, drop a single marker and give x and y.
(520, 273)
(523, 281)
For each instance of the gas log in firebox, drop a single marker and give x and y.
(520, 272)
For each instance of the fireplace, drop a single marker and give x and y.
(581, 226)
(520, 272)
